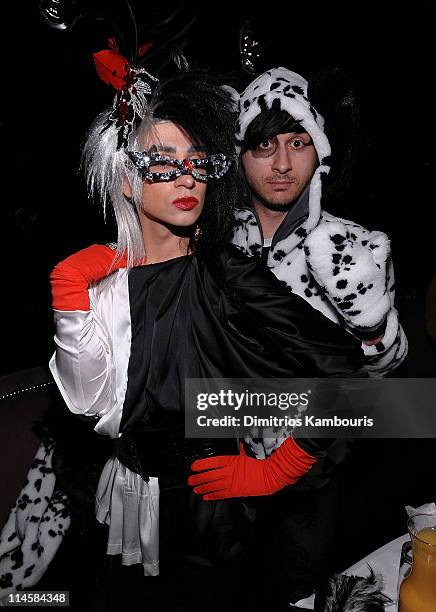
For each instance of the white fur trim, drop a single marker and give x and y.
(354, 280)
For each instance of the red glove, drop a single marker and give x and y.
(71, 278)
(242, 476)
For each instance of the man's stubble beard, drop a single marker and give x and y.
(284, 206)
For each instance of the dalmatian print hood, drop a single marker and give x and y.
(290, 89)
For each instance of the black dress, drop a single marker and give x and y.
(212, 316)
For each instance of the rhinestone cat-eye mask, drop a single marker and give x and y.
(155, 167)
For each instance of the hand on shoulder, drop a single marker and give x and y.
(71, 277)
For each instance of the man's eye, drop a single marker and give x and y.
(265, 148)
(300, 143)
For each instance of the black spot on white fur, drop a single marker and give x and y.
(279, 255)
(29, 571)
(301, 232)
(6, 580)
(17, 558)
(337, 238)
(39, 549)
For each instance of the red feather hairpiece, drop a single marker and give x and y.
(132, 84)
(112, 68)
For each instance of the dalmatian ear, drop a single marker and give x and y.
(250, 51)
(235, 97)
(334, 95)
(352, 273)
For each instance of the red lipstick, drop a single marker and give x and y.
(187, 203)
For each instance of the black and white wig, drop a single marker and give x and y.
(204, 111)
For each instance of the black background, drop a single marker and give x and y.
(51, 93)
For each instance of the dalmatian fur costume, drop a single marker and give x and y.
(339, 267)
(35, 527)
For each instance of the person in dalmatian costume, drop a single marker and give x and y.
(339, 267)
(342, 269)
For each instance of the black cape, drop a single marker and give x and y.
(200, 317)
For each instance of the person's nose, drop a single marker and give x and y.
(281, 161)
(185, 180)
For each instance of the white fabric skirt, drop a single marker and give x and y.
(130, 506)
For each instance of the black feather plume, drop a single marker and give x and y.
(343, 593)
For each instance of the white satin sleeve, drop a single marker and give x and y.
(92, 352)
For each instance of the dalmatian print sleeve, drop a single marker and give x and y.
(35, 527)
(354, 268)
(352, 273)
(382, 358)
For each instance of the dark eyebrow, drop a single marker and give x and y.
(168, 149)
(162, 148)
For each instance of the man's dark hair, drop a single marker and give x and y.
(268, 124)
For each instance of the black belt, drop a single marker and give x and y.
(167, 452)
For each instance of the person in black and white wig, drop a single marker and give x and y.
(172, 300)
